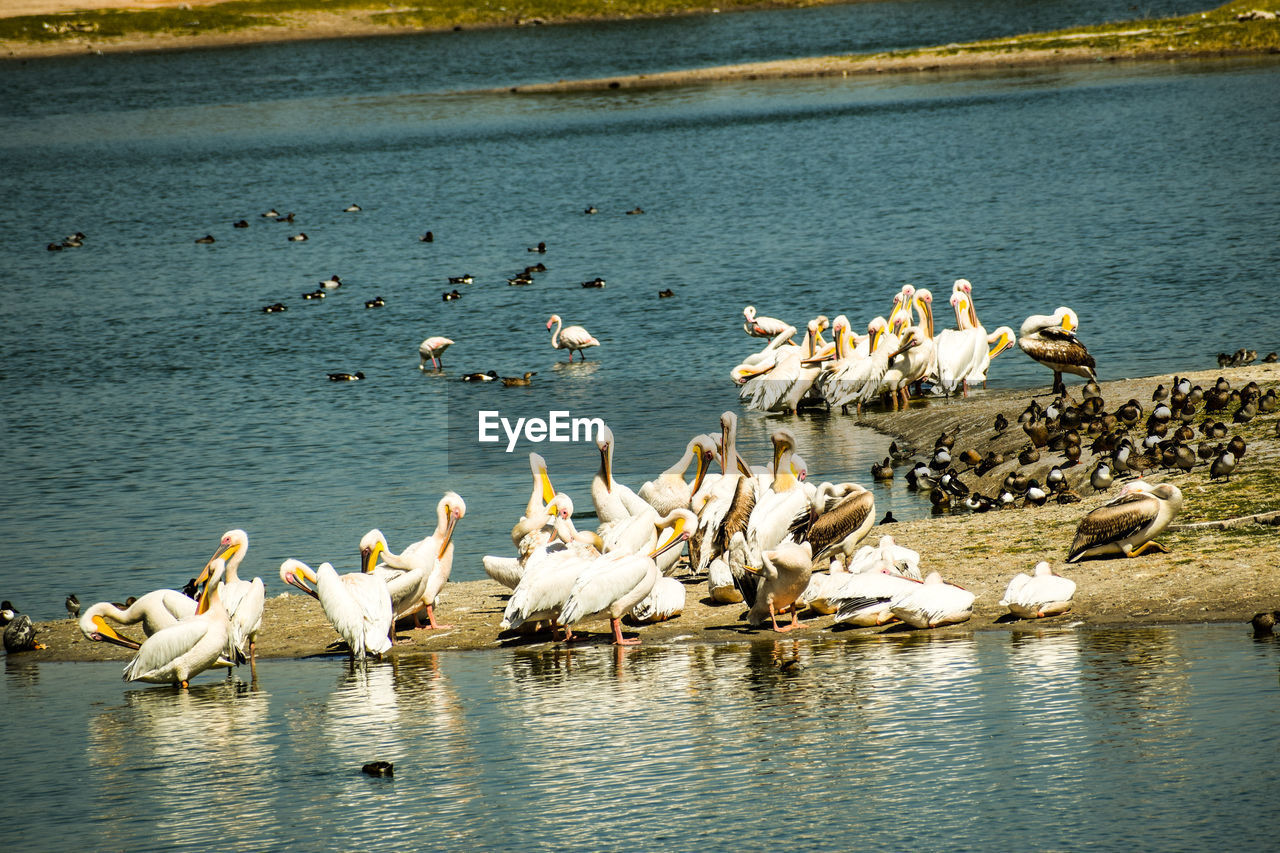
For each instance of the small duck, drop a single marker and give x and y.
(1101, 478)
(1029, 455)
(541, 248)
(315, 294)
(351, 208)
(487, 376)
(271, 214)
(275, 307)
(331, 283)
(379, 768)
(595, 282)
(73, 605)
(465, 278)
(1001, 423)
(205, 240)
(20, 635)
(298, 238)
(375, 302)
(520, 280)
(240, 223)
(451, 296)
(666, 294)
(511, 381)
(591, 209)
(7, 612)
(635, 211)
(533, 268)
(346, 377)
(427, 238)
(288, 217)
(882, 470)
(888, 518)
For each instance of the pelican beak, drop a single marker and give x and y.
(608, 469)
(703, 461)
(225, 551)
(108, 634)
(548, 493)
(1001, 345)
(1067, 324)
(678, 535)
(299, 578)
(454, 515)
(369, 557)
(743, 468)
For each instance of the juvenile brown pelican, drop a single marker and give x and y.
(1051, 340)
(1128, 524)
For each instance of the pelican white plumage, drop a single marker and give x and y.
(616, 582)
(669, 490)
(727, 506)
(1127, 525)
(887, 556)
(437, 549)
(866, 599)
(432, 349)
(570, 337)
(357, 604)
(776, 508)
(793, 373)
(763, 327)
(917, 349)
(1051, 340)
(156, 610)
(412, 574)
(613, 501)
(782, 580)
(665, 601)
(960, 351)
(1039, 594)
(766, 358)
(998, 341)
(243, 600)
(861, 380)
(934, 603)
(178, 653)
(545, 586)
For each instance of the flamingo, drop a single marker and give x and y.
(763, 327)
(570, 337)
(433, 348)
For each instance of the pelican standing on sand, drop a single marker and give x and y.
(438, 547)
(243, 600)
(176, 654)
(1128, 524)
(356, 604)
(782, 580)
(1051, 340)
(570, 337)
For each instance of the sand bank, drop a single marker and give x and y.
(1210, 574)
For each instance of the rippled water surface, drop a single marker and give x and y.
(148, 404)
(1147, 739)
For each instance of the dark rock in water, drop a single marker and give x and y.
(379, 768)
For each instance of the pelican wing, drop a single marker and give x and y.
(1055, 346)
(163, 652)
(606, 580)
(1113, 522)
(831, 528)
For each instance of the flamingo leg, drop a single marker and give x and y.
(617, 635)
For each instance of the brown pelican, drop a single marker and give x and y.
(1051, 341)
(1128, 524)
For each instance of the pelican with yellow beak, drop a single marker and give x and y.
(670, 491)
(243, 600)
(356, 604)
(1051, 340)
(178, 653)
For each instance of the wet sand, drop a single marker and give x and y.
(1209, 575)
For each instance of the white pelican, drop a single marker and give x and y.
(616, 582)
(836, 529)
(433, 349)
(437, 549)
(176, 654)
(571, 337)
(1051, 340)
(545, 586)
(243, 600)
(860, 382)
(960, 350)
(763, 327)
(728, 505)
(665, 601)
(669, 490)
(998, 341)
(156, 610)
(934, 603)
(533, 526)
(887, 556)
(614, 502)
(782, 387)
(356, 604)
(720, 584)
(777, 508)
(783, 579)
(1040, 594)
(918, 351)
(866, 599)
(1128, 524)
(765, 359)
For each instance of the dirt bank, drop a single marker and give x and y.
(1209, 575)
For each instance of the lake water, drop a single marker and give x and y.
(1143, 739)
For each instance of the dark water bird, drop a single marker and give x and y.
(1038, 431)
(941, 459)
(288, 217)
(206, 239)
(1072, 454)
(1017, 482)
(1055, 480)
(1264, 623)
(375, 302)
(1213, 429)
(1222, 466)
(919, 477)
(1161, 393)
(1005, 499)
(1091, 407)
(978, 502)
(1224, 360)
(300, 237)
(1237, 446)
(1267, 403)
(945, 439)
(451, 296)
(331, 283)
(351, 208)
(1207, 450)
(1029, 455)
(1036, 496)
(635, 211)
(540, 248)
(274, 308)
(512, 381)
(20, 635)
(1184, 458)
(1101, 478)
(591, 209)
(1184, 434)
(520, 280)
(1160, 413)
(346, 377)
(1246, 413)
(427, 238)
(315, 294)
(1091, 390)
(1031, 412)
(379, 768)
(900, 454)
(54, 247)
(888, 518)
(1187, 412)
(594, 283)
(666, 294)
(1270, 358)
(1002, 423)
(487, 376)
(882, 470)
(271, 214)
(952, 483)
(1067, 495)
(7, 612)
(240, 223)
(190, 588)
(970, 457)
(940, 498)
(73, 605)
(465, 278)
(991, 460)
(1129, 413)
(533, 268)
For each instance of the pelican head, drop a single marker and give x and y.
(1067, 318)
(372, 545)
(680, 522)
(1004, 338)
(604, 441)
(231, 548)
(450, 509)
(94, 627)
(297, 573)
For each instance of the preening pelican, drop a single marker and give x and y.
(934, 603)
(665, 601)
(243, 600)
(356, 604)
(763, 327)
(545, 586)
(764, 360)
(670, 491)
(997, 342)
(866, 599)
(917, 350)
(156, 611)
(860, 382)
(176, 654)
(433, 349)
(1128, 524)
(729, 504)
(835, 529)
(784, 385)
(437, 552)
(776, 508)
(571, 337)
(960, 351)
(1040, 594)
(614, 502)
(782, 580)
(616, 582)
(1051, 340)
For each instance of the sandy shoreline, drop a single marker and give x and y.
(1210, 574)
